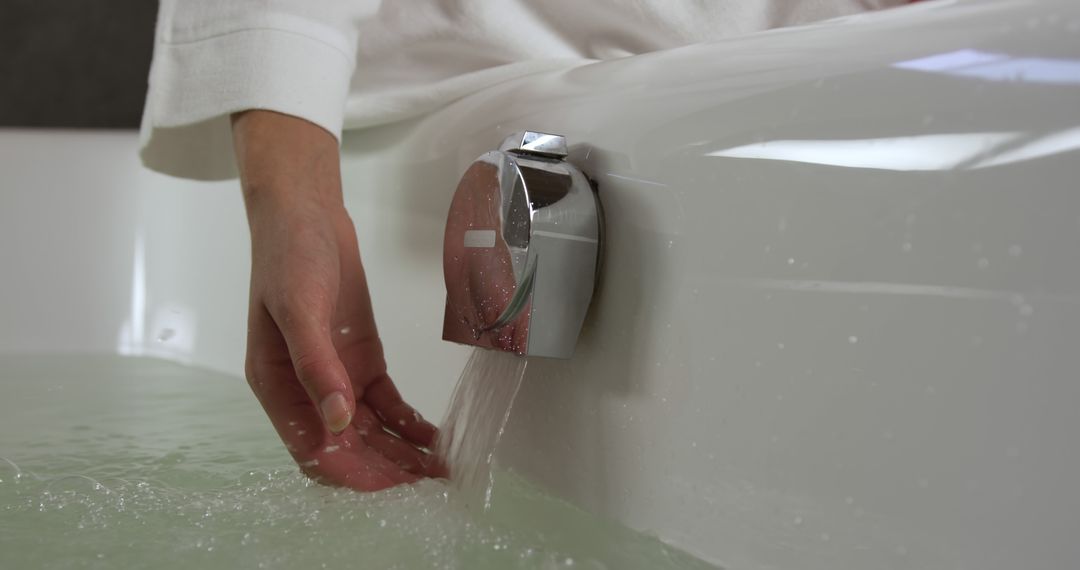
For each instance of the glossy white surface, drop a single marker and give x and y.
(840, 305)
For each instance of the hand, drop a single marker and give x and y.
(314, 359)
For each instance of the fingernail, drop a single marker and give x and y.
(335, 412)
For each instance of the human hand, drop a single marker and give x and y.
(314, 359)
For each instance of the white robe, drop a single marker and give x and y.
(350, 64)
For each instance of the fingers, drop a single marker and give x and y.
(320, 370)
(356, 466)
(408, 457)
(400, 417)
(389, 445)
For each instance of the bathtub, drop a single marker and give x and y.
(838, 318)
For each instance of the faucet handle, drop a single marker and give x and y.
(536, 144)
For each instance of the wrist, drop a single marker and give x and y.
(286, 163)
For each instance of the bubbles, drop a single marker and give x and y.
(9, 471)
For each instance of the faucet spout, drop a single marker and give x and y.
(521, 249)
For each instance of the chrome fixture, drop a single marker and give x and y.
(521, 249)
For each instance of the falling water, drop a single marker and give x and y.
(476, 419)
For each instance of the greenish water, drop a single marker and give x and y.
(114, 462)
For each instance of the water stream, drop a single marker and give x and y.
(475, 421)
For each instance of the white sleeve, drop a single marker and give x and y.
(213, 58)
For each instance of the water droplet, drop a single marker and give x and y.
(798, 521)
(165, 335)
(345, 330)
(791, 261)
(906, 246)
(849, 500)
(853, 339)
(983, 263)
(1016, 251)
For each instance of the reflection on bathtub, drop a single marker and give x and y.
(1051, 144)
(998, 67)
(954, 151)
(909, 153)
(172, 328)
(132, 331)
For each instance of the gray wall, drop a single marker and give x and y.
(74, 63)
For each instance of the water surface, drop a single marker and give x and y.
(122, 462)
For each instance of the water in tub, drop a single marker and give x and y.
(112, 462)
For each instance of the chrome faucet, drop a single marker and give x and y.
(521, 249)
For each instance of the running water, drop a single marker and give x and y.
(475, 421)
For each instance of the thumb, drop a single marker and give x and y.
(320, 371)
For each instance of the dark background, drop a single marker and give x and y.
(74, 63)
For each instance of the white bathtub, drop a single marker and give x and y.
(839, 318)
